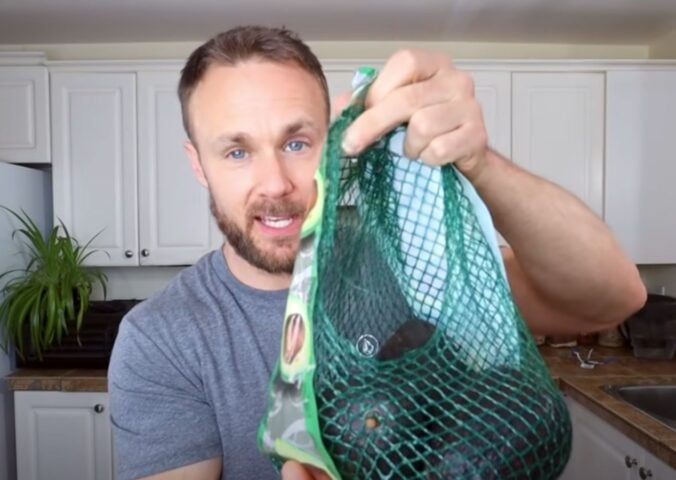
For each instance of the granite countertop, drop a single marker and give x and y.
(74, 380)
(581, 384)
(585, 386)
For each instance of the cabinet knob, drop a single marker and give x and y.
(98, 408)
(145, 252)
(630, 462)
(128, 253)
(645, 473)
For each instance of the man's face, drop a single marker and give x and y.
(258, 130)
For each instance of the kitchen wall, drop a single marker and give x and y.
(659, 278)
(665, 46)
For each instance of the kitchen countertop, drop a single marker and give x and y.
(74, 380)
(622, 369)
(581, 384)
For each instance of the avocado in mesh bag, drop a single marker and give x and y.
(403, 354)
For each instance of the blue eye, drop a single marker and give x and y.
(295, 145)
(237, 154)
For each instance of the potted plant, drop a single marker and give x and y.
(50, 296)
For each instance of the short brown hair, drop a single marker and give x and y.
(244, 43)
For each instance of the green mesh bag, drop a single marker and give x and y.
(403, 355)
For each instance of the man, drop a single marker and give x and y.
(190, 369)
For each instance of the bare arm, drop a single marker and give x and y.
(206, 470)
(567, 272)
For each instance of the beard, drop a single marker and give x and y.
(281, 255)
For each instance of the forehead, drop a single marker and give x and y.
(254, 91)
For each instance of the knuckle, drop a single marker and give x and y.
(407, 58)
(465, 83)
(420, 125)
(438, 149)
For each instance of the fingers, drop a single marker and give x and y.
(464, 147)
(403, 68)
(431, 122)
(399, 105)
(295, 471)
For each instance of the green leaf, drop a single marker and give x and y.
(39, 300)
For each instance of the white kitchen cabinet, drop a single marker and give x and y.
(175, 224)
(601, 452)
(119, 169)
(558, 130)
(494, 94)
(641, 162)
(94, 162)
(63, 436)
(24, 114)
(657, 468)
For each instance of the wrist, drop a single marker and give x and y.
(486, 169)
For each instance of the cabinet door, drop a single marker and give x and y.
(493, 91)
(63, 436)
(657, 468)
(641, 163)
(558, 130)
(24, 115)
(175, 224)
(94, 162)
(599, 450)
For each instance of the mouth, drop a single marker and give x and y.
(279, 226)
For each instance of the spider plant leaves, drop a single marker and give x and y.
(51, 294)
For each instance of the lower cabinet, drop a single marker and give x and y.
(601, 452)
(63, 436)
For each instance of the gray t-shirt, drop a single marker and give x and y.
(189, 373)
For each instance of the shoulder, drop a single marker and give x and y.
(188, 296)
(176, 323)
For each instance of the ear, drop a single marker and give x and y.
(195, 164)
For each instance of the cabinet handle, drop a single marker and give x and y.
(630, 462)
(645, 473)
(128, 253)
(98, 408)
(145, 252)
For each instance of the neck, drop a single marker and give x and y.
(253, 276)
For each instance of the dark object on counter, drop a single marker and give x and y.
(587, 339)
(92, 346)
(611, 337)
(652, 330)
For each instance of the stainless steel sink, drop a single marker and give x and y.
(658, 401)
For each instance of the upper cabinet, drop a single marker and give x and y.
(493, 92)
(120, 172)
(94, 162)
(175, 225)
(558, 130)
(24, 114)
(641, 162)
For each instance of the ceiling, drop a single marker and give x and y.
(548, 21)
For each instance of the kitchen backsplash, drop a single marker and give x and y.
(659, 278)
(135, 282)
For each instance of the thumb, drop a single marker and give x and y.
(295, 471)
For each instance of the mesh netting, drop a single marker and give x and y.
(424, 368)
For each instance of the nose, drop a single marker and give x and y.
(273, 175)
